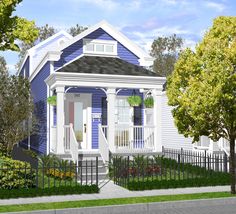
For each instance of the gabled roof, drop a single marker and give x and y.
(116, 35)
(105, 65)
(30, 51)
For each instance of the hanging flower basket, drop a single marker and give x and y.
(149, 102)
(52, 100)
(134, 100)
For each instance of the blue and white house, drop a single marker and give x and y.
(92, 74)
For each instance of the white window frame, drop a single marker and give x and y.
(100, 42)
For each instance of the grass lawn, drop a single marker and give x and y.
(107, 202)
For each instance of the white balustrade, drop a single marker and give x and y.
(103, 145)
(70, 142)
(134, 138)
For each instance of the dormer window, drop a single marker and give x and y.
(103, 47)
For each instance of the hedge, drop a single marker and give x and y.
(218, 179)
(35, 192)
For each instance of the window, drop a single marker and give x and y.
(105, 47)
(122, 111)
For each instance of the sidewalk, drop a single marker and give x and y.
(113, 191)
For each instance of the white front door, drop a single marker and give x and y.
(78, 112)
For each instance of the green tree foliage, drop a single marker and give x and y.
(13, 28)
(165, 50)
(202, 88)
(77, 29)
(16, 107)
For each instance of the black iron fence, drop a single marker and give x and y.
(171, 168)
(47, 174)
(217, 161)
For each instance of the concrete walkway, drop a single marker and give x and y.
(113, 191)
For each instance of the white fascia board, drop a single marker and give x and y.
(50, 56)
(104, 80)
(115, 34)
(146, 62)
(23, 62)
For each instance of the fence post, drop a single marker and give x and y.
(205, 160)
(182, 158)
(128, 171)
(225, 162)
(97, 170)
(179, 166)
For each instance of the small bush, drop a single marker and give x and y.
(60, 174)
(15, 174)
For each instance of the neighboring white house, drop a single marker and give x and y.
(92, 74)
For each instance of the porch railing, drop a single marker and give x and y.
(103, 145)
(134, 138)
(70, 142)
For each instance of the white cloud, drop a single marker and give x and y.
(217, 6)
(104, 4)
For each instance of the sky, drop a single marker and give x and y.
(140, 20)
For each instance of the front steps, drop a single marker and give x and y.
(87, 165)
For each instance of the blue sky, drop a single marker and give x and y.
(140, 20)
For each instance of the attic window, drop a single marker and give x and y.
(103, 47)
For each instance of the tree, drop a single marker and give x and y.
(16, 108)
(202, 88)
(165, 50)
(13, 28)
(44, 32)
(77, 29)
(15, 98)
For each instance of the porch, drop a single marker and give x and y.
(93, 115)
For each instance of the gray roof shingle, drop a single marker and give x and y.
(105, 65)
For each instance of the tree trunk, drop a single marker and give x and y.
(232, 164)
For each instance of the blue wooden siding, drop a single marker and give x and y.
(97, 95)
(76, 49)
(26, 67)
(39, 93)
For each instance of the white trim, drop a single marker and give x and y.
(50, 56)
(104, 80)
(23, 63)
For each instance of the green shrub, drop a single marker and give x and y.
(35, 192)
(15, 174)
(218, 179)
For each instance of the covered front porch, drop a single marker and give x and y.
(92, 114)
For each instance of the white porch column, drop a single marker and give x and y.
(157, 117)
(60, 119)
(111, 97)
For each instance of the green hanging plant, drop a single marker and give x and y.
(134, 100)
(149, 102)
(52, 100)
